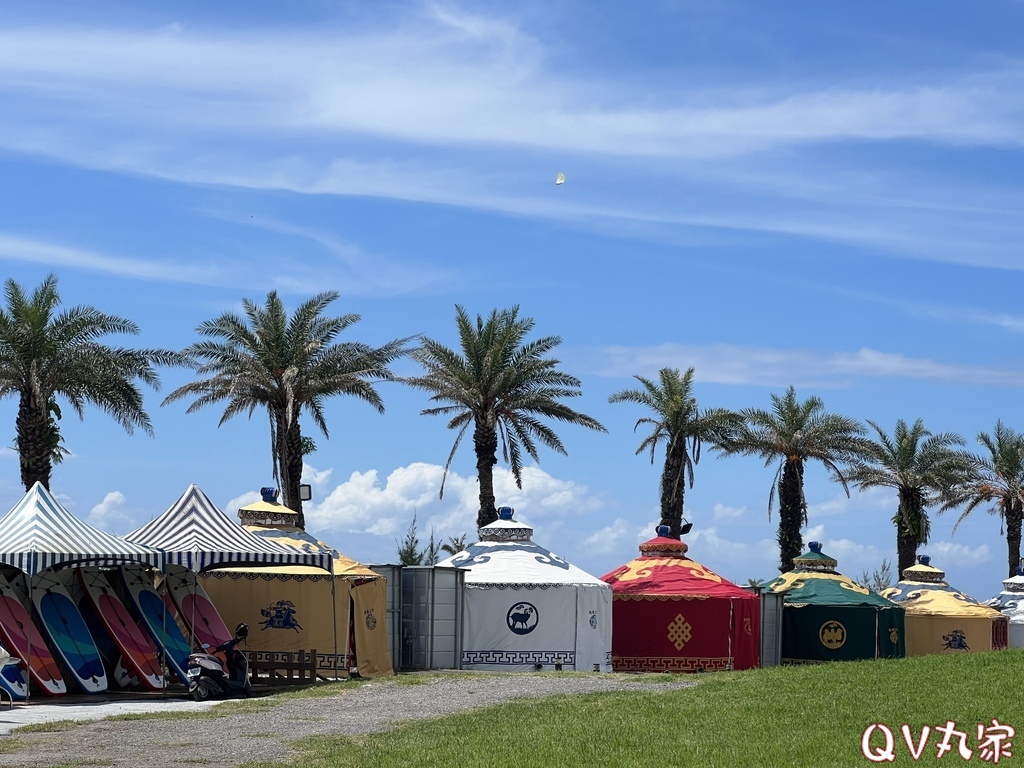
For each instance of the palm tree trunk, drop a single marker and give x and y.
(672, 489)
(908, 533)
(1014, 516)
(294, 473)
(288, 450)
(485, 442)
(35, 440)
(791, 513)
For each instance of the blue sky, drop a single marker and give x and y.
(775, 194)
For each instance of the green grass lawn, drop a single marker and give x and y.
(810, 716)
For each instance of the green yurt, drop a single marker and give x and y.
(829, 617)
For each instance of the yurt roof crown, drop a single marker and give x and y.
(1016, 582)
(924, 572)
(815, 560)
(267, 511)
(663, 545)
(505, 528)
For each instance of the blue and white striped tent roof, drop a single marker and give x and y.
(39, 533)
(196, 535)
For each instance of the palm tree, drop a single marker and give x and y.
(922, 467)
(793, 433)
(501, 385)
(682, 427)
(287, 365)
(998, 478)
(45, 354)
(455, 544)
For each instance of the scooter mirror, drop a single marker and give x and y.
(242, 631)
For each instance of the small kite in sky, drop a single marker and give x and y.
(560, 178)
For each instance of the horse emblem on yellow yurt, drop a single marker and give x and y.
(832, 635)
(955, 641)
(280, 615)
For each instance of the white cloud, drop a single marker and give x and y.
(360, 272)
(111, 514)
(735, 560)
(235, 504)
(611, 538)
(961, 554)
(770, 366)
(725, 512)
(16, 248)
(366, 504)
(870, 500)
(498, 87)
(268, 109)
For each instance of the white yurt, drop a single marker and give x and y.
(526, 608)
(1011, 603)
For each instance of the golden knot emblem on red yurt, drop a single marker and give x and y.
(679, 632)
(832, 635)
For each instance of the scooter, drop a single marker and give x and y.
(211, 675)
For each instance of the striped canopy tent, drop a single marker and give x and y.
(38, 533)
(198, 536)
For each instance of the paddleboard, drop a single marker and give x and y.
(137, 651)
(24, 640)
(11, 679)
(67, 629)
(109, 651)
(157, 619)
(196, 608)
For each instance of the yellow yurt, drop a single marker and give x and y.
(343, 617)
(942, 620)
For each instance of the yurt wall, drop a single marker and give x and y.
(527, 608)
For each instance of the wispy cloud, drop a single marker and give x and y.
(733, 364)
(16, 248)
(346, 265)
(456, 77)
(460, 108)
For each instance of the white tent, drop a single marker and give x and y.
(1011, 602)
(527, 608)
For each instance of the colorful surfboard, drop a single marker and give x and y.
(11, 679)
(68, 632)
(196, 608)
(137, 650)
(157, 618)
(24, 641)
(109, 652)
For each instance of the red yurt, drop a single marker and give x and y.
(670, 613)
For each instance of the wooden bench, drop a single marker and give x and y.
(282, 667)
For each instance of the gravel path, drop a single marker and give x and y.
(226, 742)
